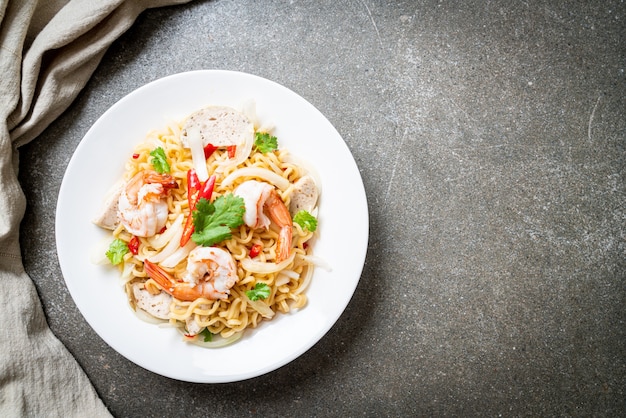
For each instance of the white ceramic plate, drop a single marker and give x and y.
(98, 163)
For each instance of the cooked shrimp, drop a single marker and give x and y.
(142, 206)
(261, 199)
(211, 272)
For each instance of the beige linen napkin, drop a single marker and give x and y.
(48, 51)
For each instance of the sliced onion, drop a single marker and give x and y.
(290, 273)
(261, 307)
(194, 139)
(161, 240)
(265, 268)
(248, 108)
(127, 271)
(97, 255)
(306, 280)
(263, 173)
(178, 255)
(318, 261)
(242, 152)
(282, 279)
(170, 248)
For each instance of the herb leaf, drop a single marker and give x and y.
(208, 335)
(260, 291)
(117, 249)
(213, 221)
(265, 142)
(306, 220)
(159, 160)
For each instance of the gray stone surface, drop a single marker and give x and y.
(491, 140)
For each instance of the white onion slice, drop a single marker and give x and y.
(265, 268)
(178, 255)
(242, 152)
(98, 255)
(290, 273)
(127, 272)
(281, 280)
(263, 173)
(318, 261)
(161, 240)
(306, 280)
(170, 248)
(262, 308)
(197, 152)
(248, 108)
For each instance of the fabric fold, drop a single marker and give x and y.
(48, 51)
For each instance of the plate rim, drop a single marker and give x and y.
(86, 142)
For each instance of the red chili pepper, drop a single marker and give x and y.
(204, 193)
(256, 250)
(188, 231)
(207, 189)
(305, 245)
(135, 156)
(232, 150)
(208, 150)
(133, 245)
(193, 187)
(163, 230)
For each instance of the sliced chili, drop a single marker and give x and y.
(255, 250)
(232, 150)
(205, 192)
(133, 245)
(208, 150)
(193, 187)
(187, 231)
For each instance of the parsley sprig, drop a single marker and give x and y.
(159, 161)
(207, 335)
(305, 220)
(260, 291)
(117, 250)
(265, 142)
(213, 222)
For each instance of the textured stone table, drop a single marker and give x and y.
(491, 138)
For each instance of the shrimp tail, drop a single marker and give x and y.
(156, 273)
(283, 246)
(165, 180)
(181, 291)
(280, 215)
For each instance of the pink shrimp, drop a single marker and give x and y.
(264, 205)
(211, 272)
(142, 206)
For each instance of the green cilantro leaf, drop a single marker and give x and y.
(208, 336)
(265, 142)
(159, 160)
(306, 220)
(260, 291)
(213, 221)
(117, 249)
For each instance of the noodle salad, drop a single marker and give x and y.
(212, 226)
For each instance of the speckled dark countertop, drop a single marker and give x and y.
(491, 140)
